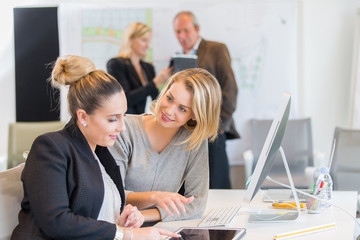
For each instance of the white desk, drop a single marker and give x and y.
(345, 223)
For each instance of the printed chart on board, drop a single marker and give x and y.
(102, 30)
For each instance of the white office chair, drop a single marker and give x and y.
(11, 195)
(345, 167)
(297, 145)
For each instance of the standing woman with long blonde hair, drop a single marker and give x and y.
(135, 75)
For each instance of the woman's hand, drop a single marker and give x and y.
(162, 76)
(170, 200)
(152, 233)
(131, 217)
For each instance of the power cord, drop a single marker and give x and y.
(316, 197)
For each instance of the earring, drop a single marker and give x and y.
(84, 124)
(191, 123)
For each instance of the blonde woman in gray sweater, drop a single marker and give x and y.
(161, 151)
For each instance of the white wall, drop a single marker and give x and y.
(326, 33)
(7, 78)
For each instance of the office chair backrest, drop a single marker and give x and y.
(298, 147)
(11, 195)
(23, 134)
(345, 167)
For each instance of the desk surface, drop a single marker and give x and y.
(344, 223)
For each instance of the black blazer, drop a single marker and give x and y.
(136, 94)
(63, 188)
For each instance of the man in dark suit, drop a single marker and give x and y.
(214, 57)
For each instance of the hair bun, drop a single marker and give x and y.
(70, 69)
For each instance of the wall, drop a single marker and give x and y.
(7, 78)
(326, 33)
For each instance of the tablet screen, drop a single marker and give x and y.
(210, 234)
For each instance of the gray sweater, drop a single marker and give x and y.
(146, 170)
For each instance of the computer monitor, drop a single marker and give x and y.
(270, 148)
(264, 163)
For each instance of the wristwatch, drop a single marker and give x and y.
(119, 235)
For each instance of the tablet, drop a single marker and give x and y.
(181, 62)
(210, 233)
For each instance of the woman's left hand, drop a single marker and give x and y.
(170, 202)
(131, 217)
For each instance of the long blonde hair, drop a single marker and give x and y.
(134, 30)
(206, 104)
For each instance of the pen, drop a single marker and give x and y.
(305, 231)
(288, 205)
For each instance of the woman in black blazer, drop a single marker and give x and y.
(72, 185)
(135, 75)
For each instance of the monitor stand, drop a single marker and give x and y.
(272, 215)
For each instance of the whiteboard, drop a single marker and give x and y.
(261, 36)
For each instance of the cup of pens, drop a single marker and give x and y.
(313, 205)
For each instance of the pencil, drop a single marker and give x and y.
(304, 231)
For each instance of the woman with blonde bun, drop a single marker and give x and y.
(72, 185)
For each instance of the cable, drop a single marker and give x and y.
(316, 197)
(293, 191)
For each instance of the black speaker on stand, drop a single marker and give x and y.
(36, 46)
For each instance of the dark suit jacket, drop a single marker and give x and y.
(63, 188)
(125, 73)
(215, 58)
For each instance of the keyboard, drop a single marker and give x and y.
(223, 216)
